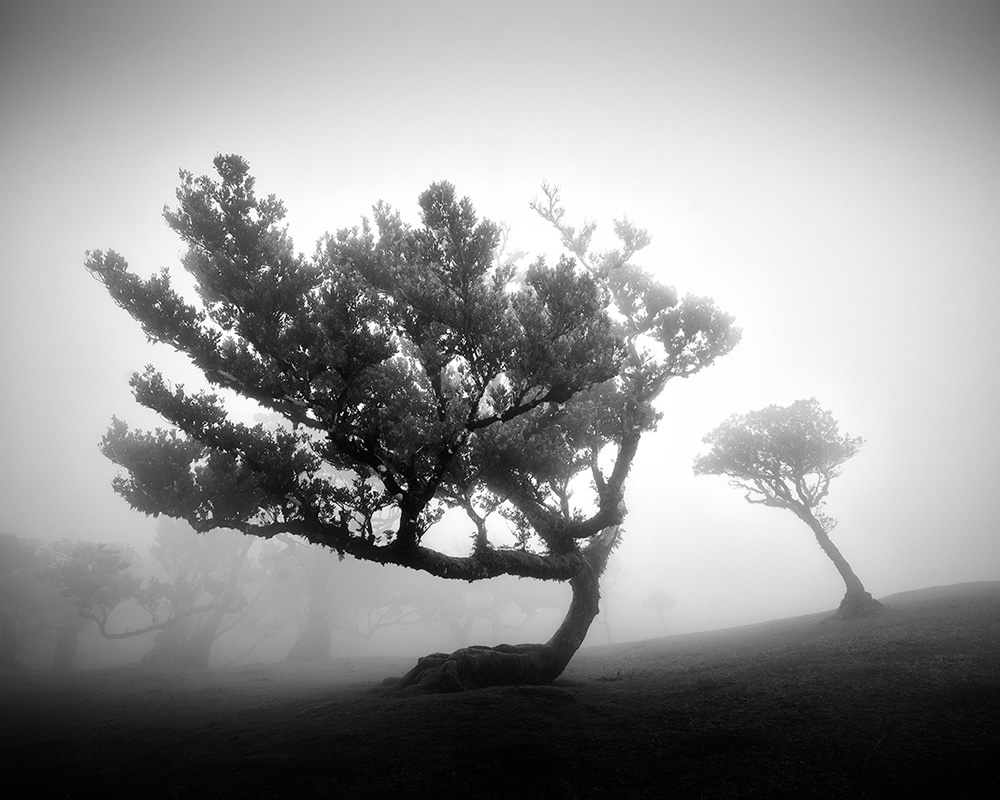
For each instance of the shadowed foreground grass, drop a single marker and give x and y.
(905, 704)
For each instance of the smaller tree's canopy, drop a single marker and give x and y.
(781, 456)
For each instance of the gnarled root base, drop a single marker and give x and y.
(477, 667)
(856, 606)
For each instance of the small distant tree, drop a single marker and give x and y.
(786, 457)
(416, 369)
(659, 601)
(94, 579)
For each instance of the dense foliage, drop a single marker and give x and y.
(781, 456)
(416, 370)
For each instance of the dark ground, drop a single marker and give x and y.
(903, 705)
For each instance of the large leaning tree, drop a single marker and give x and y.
(786, 457)
(418, 370)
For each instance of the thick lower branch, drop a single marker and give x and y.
(484, 563)
(158, 626)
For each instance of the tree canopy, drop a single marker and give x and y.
(417, 368)
(781, 456)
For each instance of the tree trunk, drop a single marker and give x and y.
(315, 640)
(511, 665)
(170, 644)
(857, 601)
(604, 620)
(189, 644)
(460, 628)
(313, 644)
(8, 641)
(67, 643)
(198, 653)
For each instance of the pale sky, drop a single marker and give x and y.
(827, 171)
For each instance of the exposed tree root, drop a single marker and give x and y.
(477, 667)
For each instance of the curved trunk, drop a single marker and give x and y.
(477, 666)
(857, 601)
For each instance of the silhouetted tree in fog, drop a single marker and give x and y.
(430, 371)
(313, 573)
(94, 579)
(20, 614)
(202, 588)
(786, 457)
(659, 601)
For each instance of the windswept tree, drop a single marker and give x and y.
(418, 371)
(786, 457)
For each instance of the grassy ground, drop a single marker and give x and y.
(906, 704)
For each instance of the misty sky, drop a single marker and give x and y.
(827, 171)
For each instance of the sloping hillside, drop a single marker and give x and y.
(906, 704)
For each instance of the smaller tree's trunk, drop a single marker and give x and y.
(316, 639)
(170, 643)
(314, 642)
(857, 601)
(198, 652)
(460, 628)
(189, 643)
(663, 622)
(67, 643)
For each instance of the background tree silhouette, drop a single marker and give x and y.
(661, 602)
(786, 457)
(416, 371)
(23, 595)
(201, 591)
